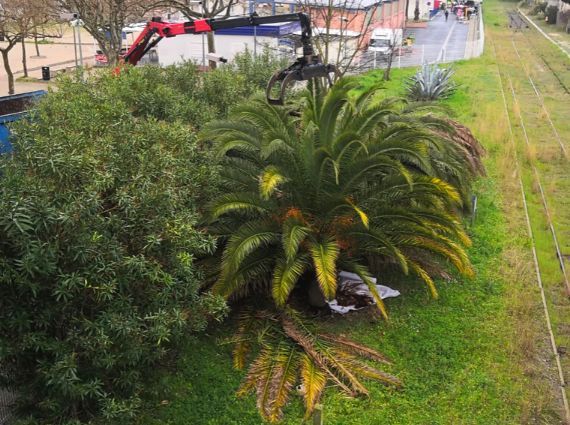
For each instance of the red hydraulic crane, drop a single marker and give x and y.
(306, 67)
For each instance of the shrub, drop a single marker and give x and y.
(98, 213)
(257, 70)
(183, 93)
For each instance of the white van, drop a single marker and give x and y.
(383, 40)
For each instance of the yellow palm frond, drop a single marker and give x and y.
(269, 179)
(284, 378)
(363, 273)
(422, 274)
(325, 255)
(363, 216)
(313, 380)
(446, 188)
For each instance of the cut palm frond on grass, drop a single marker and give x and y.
(292, 352)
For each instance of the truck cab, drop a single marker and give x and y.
(384, 40)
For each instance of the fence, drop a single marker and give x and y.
(454, 49)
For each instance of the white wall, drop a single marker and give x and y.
(189, 47)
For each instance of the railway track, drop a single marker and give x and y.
(518, 24)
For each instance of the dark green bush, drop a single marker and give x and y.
(537, 8)
(182, 93)
(257, 70)
(98, 235)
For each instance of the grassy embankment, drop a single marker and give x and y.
(470, 357)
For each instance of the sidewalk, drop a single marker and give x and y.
(58, 55)
(441, 41)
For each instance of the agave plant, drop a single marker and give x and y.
(431, 83)
(292, 352)
(349, 179)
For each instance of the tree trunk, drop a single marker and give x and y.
(37, 45)
(24, 60)
(211, 49)
(9, 73)
(389, 65)
(417, 11)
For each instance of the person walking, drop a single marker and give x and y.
(446, 14)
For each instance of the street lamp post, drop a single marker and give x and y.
(77, 23)
(255, 41)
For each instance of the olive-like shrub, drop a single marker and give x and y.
(98, 234)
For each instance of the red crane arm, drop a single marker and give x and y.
(306, 67)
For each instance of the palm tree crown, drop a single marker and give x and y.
(351, 178)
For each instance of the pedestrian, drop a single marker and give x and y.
(446, 14)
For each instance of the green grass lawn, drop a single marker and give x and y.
(470, 357)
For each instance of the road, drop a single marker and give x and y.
(441, 41)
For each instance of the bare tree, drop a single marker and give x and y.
(105, 19)
(15, 22)
(342, 30)
(200, 9)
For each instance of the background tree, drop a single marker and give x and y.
(341, 31)
(198, 9)
(105, 19)
(13, 29)
(20, 19)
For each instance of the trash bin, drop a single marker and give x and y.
(45, 73)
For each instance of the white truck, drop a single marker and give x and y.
(384, 40)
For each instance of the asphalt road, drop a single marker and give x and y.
(441, 41)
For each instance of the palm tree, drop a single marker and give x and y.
(351, 178)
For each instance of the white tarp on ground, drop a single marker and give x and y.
(358, 287)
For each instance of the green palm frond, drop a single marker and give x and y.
(248, 238)
(293, 234)
(238, 202)
(285, 276)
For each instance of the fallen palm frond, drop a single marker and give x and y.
(292, 352)
(467, 143)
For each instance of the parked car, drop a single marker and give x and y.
(150, 58)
